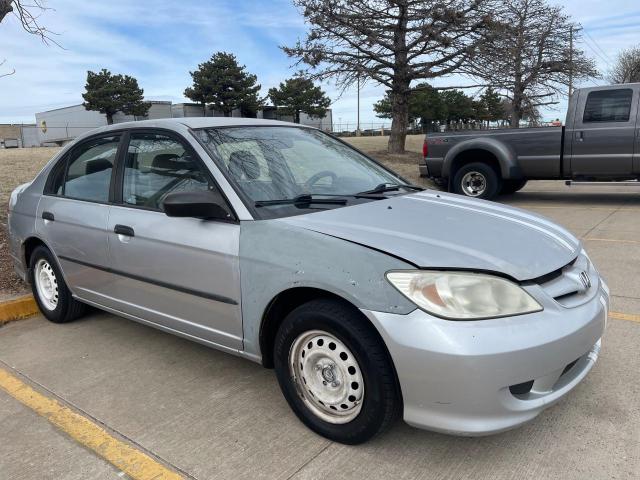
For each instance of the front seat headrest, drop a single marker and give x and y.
(167, 161)
(243, 165)
(97, 165)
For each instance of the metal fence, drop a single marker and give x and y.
(380, 129)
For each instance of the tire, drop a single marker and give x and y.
(50, 290)
(477, 177)
(365, 379)
(512, 186)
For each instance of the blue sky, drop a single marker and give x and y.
(159, 41)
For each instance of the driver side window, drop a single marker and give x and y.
(157, 165)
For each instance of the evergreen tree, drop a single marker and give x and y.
(109, 94)
(299, 94)
(492, 105)
(225, 85)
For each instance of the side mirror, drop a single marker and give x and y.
(203, 204)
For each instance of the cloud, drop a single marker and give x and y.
(160, 41)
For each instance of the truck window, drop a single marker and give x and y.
(608, 106)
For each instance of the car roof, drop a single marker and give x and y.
(195, 122)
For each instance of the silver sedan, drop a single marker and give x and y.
(370, 297)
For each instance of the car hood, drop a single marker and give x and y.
(437, 230)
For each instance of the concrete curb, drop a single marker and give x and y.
(18, 309)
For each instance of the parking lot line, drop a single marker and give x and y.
(625, 316)
(596, 239)
(574, 207)
(131, 461)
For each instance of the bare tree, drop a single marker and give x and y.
(28, 14)
(531, 59)
(390, 42)
(2, 62)
(627, 67)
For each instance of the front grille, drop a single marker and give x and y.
(565, 285)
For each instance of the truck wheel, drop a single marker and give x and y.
(335, 372)
(49, 289)
(512, 186)
(477, 180)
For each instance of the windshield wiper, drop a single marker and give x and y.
(304, 199)
(390, 187)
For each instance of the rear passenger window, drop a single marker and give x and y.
(608, 106)
(89, 169)
(157, 165)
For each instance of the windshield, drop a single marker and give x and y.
(269, 164)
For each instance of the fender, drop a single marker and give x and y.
(505, 155)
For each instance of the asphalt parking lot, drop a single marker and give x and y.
(205, 414)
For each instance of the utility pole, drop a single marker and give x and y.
(570, 60)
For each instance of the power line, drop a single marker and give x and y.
(597, 45)
(601, 53)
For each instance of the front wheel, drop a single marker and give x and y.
(335, 372)
(477, 180)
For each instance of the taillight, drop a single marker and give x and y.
(425, 148)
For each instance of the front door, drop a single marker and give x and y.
(180, 273)
(72, 215)
(604, 133)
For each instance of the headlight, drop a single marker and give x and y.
(463, 295)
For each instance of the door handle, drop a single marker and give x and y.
(48, 216)
(580, 136)
(124, 230)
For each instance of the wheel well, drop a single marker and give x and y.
(29, 246)
(283, 304)
(474, 155)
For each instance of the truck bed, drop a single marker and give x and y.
(539, 149)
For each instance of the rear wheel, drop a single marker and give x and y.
(49, 289)
(477, 180)
(335, 372)
(512, 186)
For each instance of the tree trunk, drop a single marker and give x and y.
(400, 84)
(399, 121)
(109, 118)
(516, 110)
(515, 117)
(296, 116)
(5, 8)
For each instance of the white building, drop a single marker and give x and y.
(62, 125)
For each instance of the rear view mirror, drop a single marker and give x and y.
(207, 205)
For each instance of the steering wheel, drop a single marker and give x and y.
(317, 176)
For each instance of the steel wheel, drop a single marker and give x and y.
(46, 284)
(474, 184)
(327, 376)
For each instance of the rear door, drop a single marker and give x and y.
(72, 214)
(604, 132)
(179, 273)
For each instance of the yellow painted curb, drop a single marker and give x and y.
(625, 316)
(17, 309)
(133, 462)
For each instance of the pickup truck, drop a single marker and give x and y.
(600, 142)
